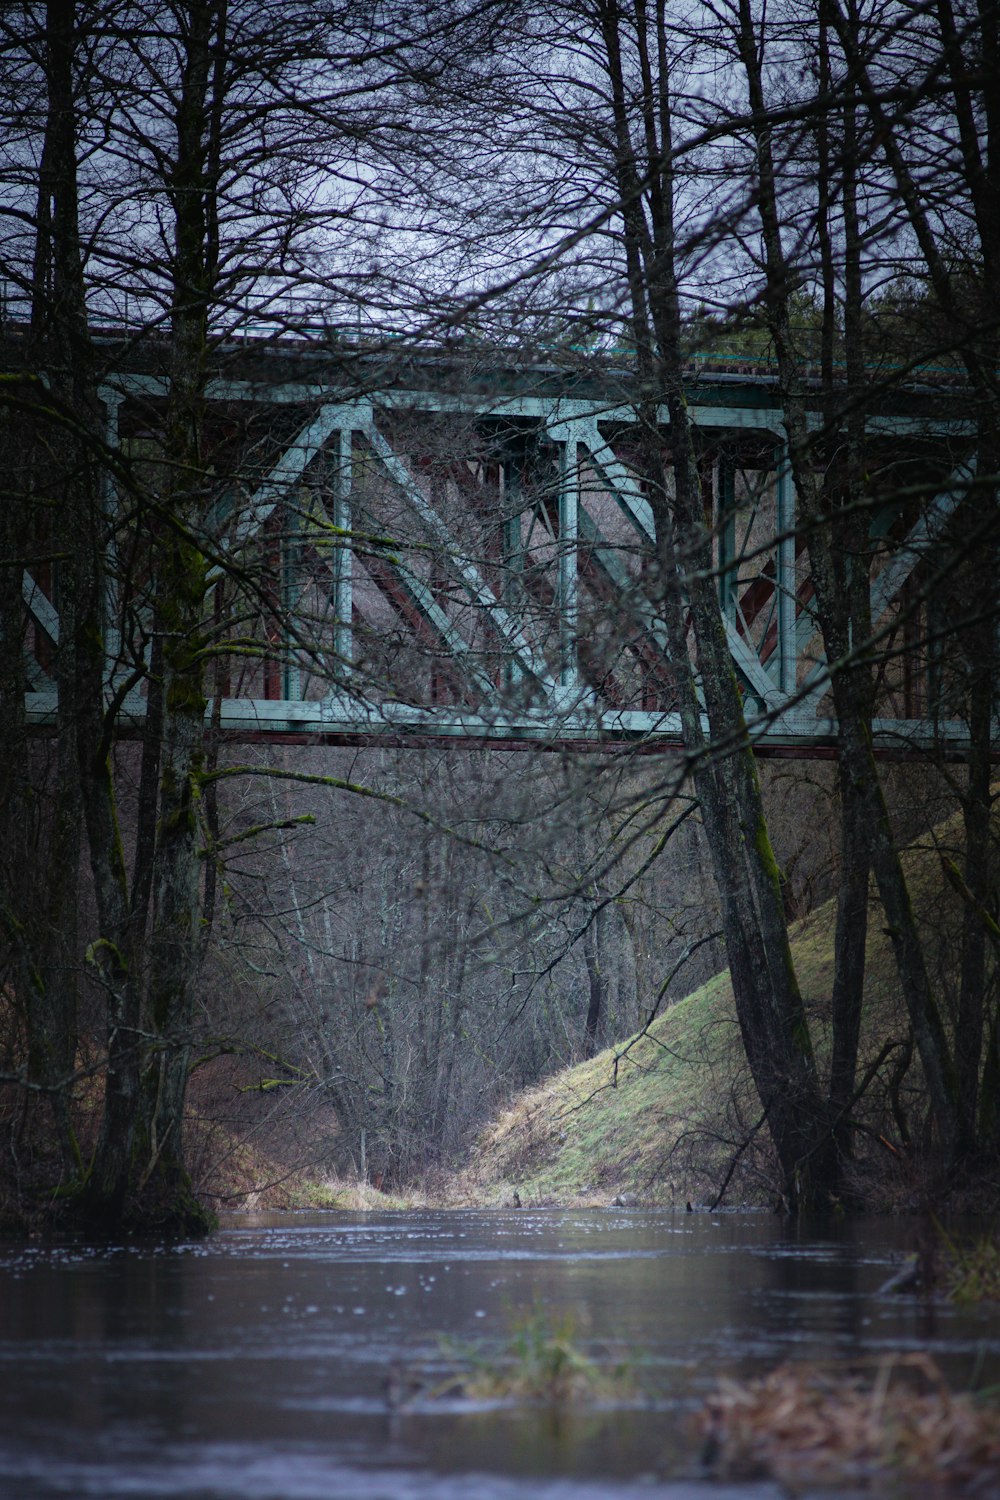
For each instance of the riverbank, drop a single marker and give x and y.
(667, 1117)
(670, 1116)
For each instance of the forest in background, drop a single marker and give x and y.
(620, 186)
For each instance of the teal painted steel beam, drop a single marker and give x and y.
(506, 625)
(40, 607)
(568, 544)
(581, 422)
(784, 583)
(314, 719)
(343, 557)
(917, 545)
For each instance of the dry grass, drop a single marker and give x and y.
(619, 1123)
(238, 1176)
(352, 1194)
(659, 1118)
(805, 1424)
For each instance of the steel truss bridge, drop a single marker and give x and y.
(448, 551)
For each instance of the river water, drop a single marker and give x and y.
(294, 1356)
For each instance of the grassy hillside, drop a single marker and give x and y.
(660, 1117)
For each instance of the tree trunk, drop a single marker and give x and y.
(866, 819)
(181, 623)
(769, 1005)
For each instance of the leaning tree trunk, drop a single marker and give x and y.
(769, 1006)
(865, 809)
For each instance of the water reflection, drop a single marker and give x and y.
(256, 1365)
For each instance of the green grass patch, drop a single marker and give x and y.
(658, 1118)
(543, 1363)
(972, 1270)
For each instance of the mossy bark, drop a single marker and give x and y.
(139, 1179)
(840, 578)
(769, 1004)
(965, 292)
(58, 477)
(176, 931)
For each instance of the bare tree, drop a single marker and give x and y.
(669, 180)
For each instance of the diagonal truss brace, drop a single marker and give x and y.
(637, 508)
(919, 543)
(435, 616)
(506, 625)
(44, 614)
(287, 471)
(39, 607)
(291, 466)
(359, 416)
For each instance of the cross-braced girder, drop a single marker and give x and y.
(434, 560)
